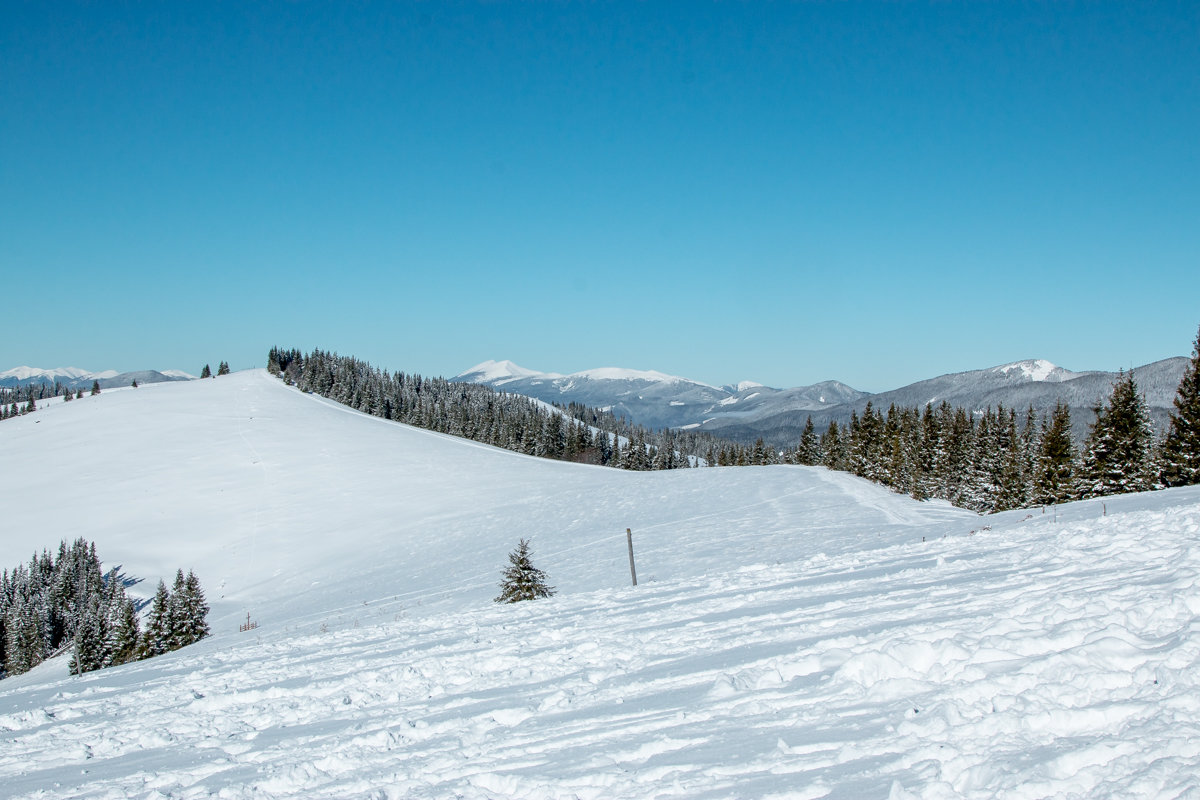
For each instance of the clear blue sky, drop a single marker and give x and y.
(778, 192)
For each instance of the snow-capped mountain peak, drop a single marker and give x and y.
(620, 374)
(497, 372)
(1037, 370)
(74, 377)
(30, 373)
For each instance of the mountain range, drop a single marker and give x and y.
(746, 411)
(76, 378)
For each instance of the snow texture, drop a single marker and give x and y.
(796, 633)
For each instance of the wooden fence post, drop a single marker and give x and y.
(632, 570)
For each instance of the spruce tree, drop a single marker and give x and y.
(95, 387)
(522, 580)
(1181, 450)
(88, 652)
(808, 452)
(156, 638)
(223, 368)
(177, 624)
(195, 609)
(1054, 480)
(206, 372)
(1120, 445)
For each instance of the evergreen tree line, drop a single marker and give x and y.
(23, 400)
(480, 413)
(1000, 460)
(53, 604)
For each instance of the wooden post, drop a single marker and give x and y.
(632, 570)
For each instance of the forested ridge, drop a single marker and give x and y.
(483, 414)
(986, 461)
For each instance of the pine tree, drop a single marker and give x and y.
(808, 452)
(156, 638)
(1054, 480)
(833, 447)
(223, 368)
(88, 652)
(177, 612)
(25, 634)
(1120, 445)
(206, 372)
(1181, 450)
(522, 580)
(120, 622)
(95, 387)
(195, 609)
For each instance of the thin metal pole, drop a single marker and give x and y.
(632, 570)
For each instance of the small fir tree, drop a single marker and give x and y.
(206, 372)
(1054, 480)
(156, 639)
(95, 387)
(88, 653)
(1181, 450)
(522, 580)
(187, 611)
(1120, 445)
(223, 368)
(177, 625)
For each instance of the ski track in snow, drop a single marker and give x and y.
(896, 650)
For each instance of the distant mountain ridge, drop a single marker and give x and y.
(747, 411)
(76, 378)
(656, 399)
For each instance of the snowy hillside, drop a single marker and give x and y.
(798, 633)
(287, 505)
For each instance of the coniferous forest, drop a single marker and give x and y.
(992, 461)
(58, 603)
(1002, 459)
(480, 413)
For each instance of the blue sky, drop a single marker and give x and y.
(787, 193)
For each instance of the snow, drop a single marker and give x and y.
(796, 632)
(747, 385)
(621, 374)
(26, 373)
(502, 372)
(178, 373)
(1031, 370)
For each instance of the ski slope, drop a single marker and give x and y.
(797, 633)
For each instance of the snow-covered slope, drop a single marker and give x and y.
(796, 633)
(287, 505)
